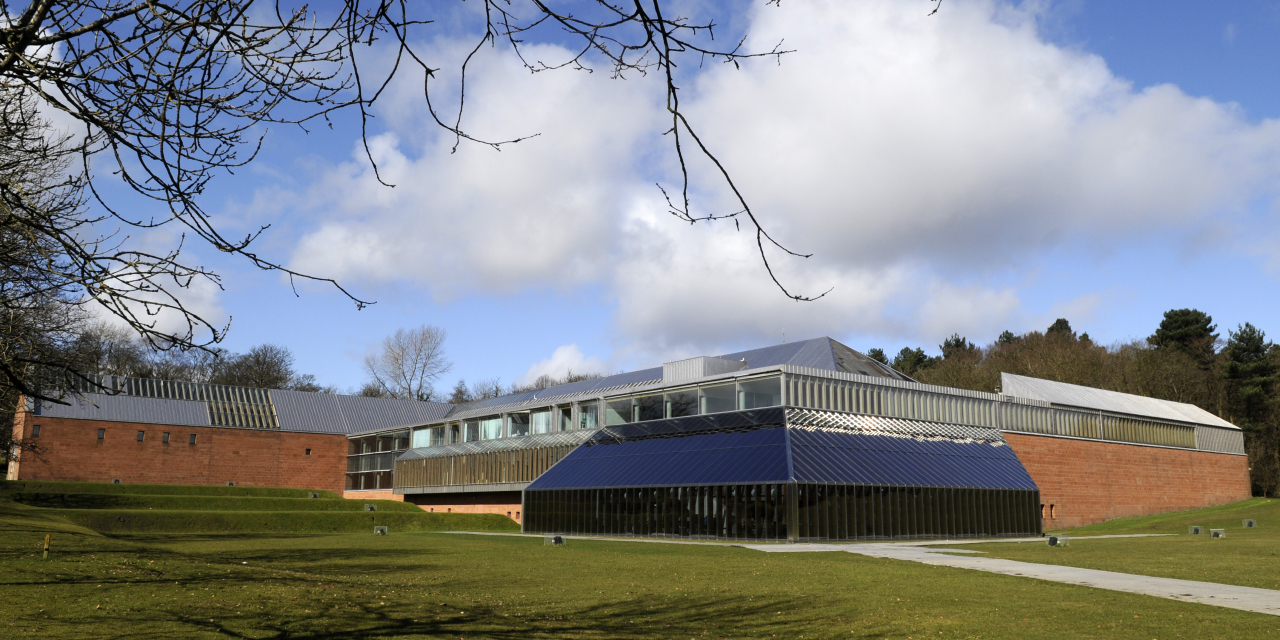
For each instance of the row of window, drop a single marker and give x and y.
(102, 435)
(733, 396)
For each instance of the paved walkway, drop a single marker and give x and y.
(1219, 595)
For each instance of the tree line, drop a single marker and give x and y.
(1184, 360)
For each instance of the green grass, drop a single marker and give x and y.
(1247, 557)
(428, 585)
(125, 508)
(200, 503)
(36, 486)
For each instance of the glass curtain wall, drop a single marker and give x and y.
(749, 394)
(782, 512)
(371, 460)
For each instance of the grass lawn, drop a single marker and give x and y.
(1248, 557)
(419, 585)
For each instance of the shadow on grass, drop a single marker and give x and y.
(632, 618)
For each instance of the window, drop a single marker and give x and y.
(720, 398)
(540, 421)
(455, 433)
(650, 408)
(491, 428)
(471, 430)
(618, 412)
(35, 431)
(140, 435)
(518, 425)
(566, 418)
(421, 438)
(437, 437)
(165, 438)
(588, 415)
(102, 434)
(308, 450)
(756, 394)
(1053, 511)
(192, 440)
(682, 403)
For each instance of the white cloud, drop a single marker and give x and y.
(565, 359)
(917, 157)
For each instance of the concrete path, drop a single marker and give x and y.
(1219, 595)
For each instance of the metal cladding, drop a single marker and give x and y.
(789, 445)
(1061, 393)
(98, 406)
(332, 413)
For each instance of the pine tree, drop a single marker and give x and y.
(1251, 374)
(1189, 330)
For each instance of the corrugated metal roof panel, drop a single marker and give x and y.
(97, 406)
(368, 414)
(330, 413)
(1078, 396)
(310, 412)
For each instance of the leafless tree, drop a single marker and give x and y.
(409, 362)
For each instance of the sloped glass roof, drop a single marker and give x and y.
(781, 445)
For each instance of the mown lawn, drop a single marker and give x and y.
(420, 585)
(1247, 557)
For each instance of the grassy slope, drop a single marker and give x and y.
(441, 585)
(200, 503)
(125, 508)
(36, 486)
(1248, 557)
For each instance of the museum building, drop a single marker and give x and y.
(806, 440)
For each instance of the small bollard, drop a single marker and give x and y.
(1195, 530)
(1217, 533)
(46, 546)
(1249, 523)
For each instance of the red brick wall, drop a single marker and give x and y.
(248, 457)
(1088, 481)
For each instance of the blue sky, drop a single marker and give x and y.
(992, 167)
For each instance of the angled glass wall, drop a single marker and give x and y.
(787, 474)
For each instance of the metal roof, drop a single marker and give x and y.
(332, 413)
(1074, 395)
(113, 408)
(504, 444)
(819, 353)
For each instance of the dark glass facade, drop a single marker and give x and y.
(371, 460)
(767, 511)
(785, 474)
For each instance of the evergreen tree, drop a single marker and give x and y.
(910, 361)
(1189, 330)
(957, 346)
(1060, 327)
(1250, 370)
(878, 355)
(1007, 337)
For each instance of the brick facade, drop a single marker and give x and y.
(1086, 481)
(248, 457)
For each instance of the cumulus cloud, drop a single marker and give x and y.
(917, 157)
(565, 359)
